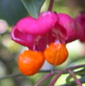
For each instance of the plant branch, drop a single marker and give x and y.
(75, 78)
(44, 71)
(10, 76)
(56, 77)
(75, 67)
(19, 74)
(80, 72)
(45, 77)
(82, 80)
(50, 5)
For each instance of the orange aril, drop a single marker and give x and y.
(56, 53)
(30, 62)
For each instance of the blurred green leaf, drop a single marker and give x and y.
(33, 6)
(12, 10)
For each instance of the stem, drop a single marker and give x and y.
(75, 78)
(50, 5)
(75, 67)
(45, 77)
(10, 76)
(84, 3)
(77, 73)
(73, 82)
(55, 79)
(44, 71)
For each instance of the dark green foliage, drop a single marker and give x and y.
(12, 10)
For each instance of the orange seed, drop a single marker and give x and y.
(30, 62)
(56, 54)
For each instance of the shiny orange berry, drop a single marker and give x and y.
(56, 54)
(30, 62)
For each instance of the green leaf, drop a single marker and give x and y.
(33, 6)
(12, 11)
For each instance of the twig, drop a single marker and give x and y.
(19, 74)
(45, 77)
(75, 67)
(10, 76)
(50, 5)
(42, 71)
(75, 78)
(77, 73)
(82, 80)
(56, 77)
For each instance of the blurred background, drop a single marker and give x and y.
(13, 10)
